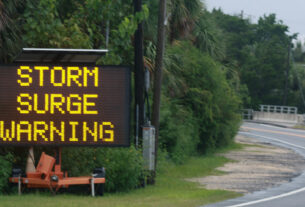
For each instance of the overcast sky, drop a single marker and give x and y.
(291, 12)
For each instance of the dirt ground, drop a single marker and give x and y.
(256, 167)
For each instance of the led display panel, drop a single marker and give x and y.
(64, 105)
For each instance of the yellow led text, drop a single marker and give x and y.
(58, 76)
(41, 131)
(24, 74)
(57, 103)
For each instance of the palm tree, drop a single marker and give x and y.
(10, 39)
(207, 37)
(183, 16)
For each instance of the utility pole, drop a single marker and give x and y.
(139, 77)
(158, 73)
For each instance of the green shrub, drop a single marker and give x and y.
(124, 166)
(178, 131)
(78, 161)
(5, 172)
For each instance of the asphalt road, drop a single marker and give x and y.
(290, 194)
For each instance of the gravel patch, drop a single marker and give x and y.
(257, 167)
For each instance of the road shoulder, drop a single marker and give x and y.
(258, 166)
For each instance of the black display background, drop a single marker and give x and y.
(112, 104)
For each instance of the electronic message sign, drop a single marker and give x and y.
(64, 105)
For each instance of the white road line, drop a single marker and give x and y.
(273, 197)
(270, 198)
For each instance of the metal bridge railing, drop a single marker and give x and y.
(279, 109)
(247, 114)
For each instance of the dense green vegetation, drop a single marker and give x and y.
(215, 64)
(202, 106)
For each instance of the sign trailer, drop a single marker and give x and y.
(62, 104)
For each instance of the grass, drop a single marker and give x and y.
(231, 147)
(171, 189)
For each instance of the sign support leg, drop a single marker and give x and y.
(92, 187)
(19, 185)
